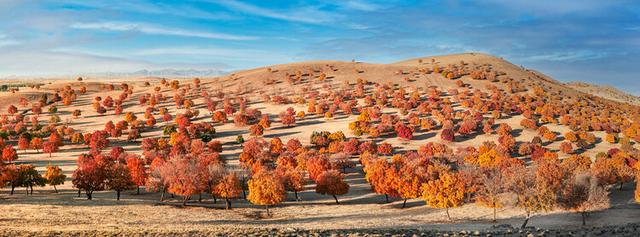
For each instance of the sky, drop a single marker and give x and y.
(589, 40)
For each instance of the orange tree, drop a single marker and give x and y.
(331, 182)
(228, 187)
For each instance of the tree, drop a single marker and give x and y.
(36, 143)
(182, 176)
(229, 187)
(404, 132)
(50, 147)
(135, 166)
(331, 182)
(23, 142)
(98, 141)
(256, 130)
(288, 117)
(54, 176)
(408, 184)
(583, 194)
(381, 175)
(316, 165)
(28, 176)
(119, 179)
(266, 188)
(566, 147)
(293, 145)
(157, 180)
(447, 135)
(385, 149)
(9, 154)
(489, 193)
(276, 147)
(90, 174)
(445, 192)
(532, 195)
(264, 121)
(292, 178)
(550, 174)
(12, 109)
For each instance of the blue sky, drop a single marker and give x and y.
(589, 40)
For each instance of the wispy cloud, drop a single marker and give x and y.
(154, 8)
(5, 41)
(572, 56)
(156, 30)
(307, 14)
(554, 7)
(360, 5)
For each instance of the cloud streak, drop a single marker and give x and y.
(156, 30)
(308, 14)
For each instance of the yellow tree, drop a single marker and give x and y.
(54, 176)
(445, 192)
(266, 188)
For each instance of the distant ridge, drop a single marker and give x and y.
(604, 91)
(165, 73)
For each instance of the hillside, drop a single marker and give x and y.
(401, 126)
(607, 92)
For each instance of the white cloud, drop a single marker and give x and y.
(155, 8)
(311, 15)
(357, 26)
(554, 7)
(572, 56)
(361, 5)
(156, 30)
(5, 41)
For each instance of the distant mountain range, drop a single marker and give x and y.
(165, 73)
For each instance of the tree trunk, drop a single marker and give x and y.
(27, 189)
(200, 197)
(620, 187)
(215, 200)
(404, 203)
(184, 201)
(138, 193)
(584, 218)
(31, 187)
(162, 196)
(268, 214)
(13, 187)
(448, 216)
(228, 203)
(494, 213)
(526, 220)
(296, 193)
(244, 193)
(386, 198)
(118, 195)
(54, 188)
(89, 195)
(336, 198)
(79, 192)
